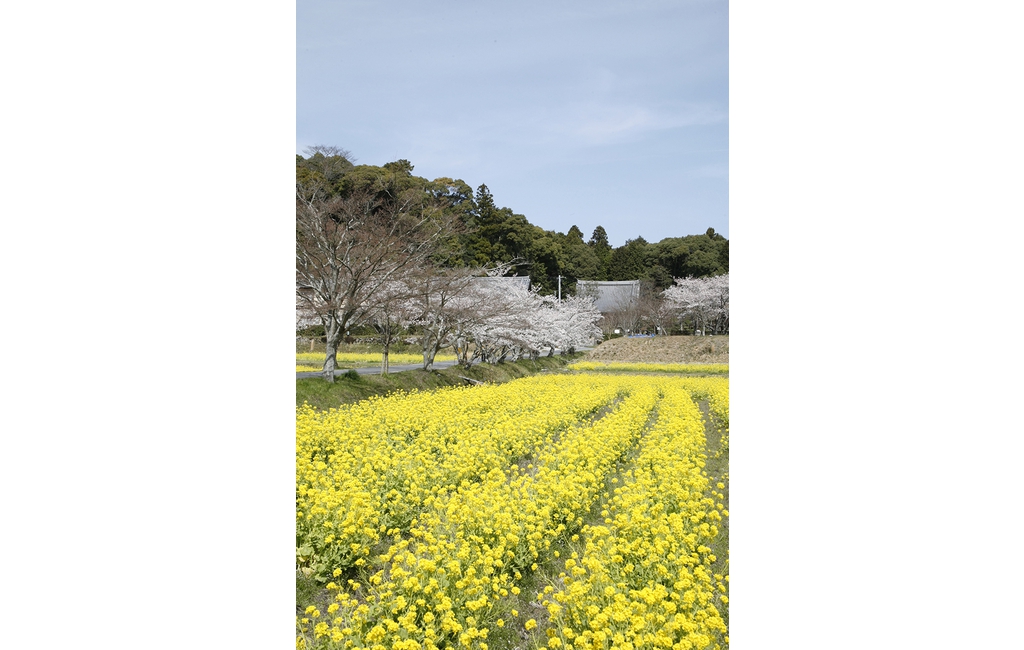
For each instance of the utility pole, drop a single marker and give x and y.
(559, 289)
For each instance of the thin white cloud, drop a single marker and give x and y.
(560, 128)
(596, 125)
(712, 170)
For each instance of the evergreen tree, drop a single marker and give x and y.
(629, 261)
(578, 261)
(692, 256)
(485, 207)
(603, 250)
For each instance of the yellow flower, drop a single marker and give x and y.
(437, 472)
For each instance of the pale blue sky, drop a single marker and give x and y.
(586, 113)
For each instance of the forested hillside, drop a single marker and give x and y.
(492, 235)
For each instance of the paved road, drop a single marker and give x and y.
(375, 370)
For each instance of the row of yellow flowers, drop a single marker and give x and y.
(366, 470)
(715, 391)
(444, 584)
(610, 366)
(645, 578)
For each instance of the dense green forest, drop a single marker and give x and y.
(494, 235)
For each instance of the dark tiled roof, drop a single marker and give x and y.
(611, 296)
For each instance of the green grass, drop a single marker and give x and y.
(350, 387)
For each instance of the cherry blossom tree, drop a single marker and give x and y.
(575, 323)
(705, 300)
(441, 301)
(508, 326)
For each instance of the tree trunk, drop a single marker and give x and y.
(333, 329)
(386, 330)
(461, 347)
(431, 345)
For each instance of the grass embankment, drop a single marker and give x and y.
(350, 388)
(664, 349)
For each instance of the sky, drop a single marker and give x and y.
(585, 113)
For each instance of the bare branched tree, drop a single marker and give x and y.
(329, 161)
(348, 248)
(393, 312)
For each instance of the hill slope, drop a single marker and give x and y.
(664, 349)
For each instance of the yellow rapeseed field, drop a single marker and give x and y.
(429, 517)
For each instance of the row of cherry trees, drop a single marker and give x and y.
(475, 313)
(494, 321)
